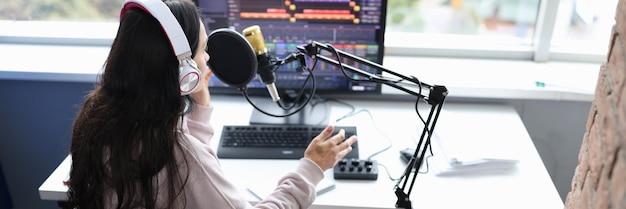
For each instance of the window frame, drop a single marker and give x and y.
(101, 33)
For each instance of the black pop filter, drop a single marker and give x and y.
(232, 58)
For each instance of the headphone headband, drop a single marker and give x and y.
(189, 74)
(170, 25)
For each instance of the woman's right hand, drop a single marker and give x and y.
(326, 150)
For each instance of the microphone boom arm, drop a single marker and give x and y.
(436, 96)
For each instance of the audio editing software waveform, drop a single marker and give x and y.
(350, 26)
(319, 32)
(356, 12)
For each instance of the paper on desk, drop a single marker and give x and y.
(461, 148)
(488, 166)
(262, 189)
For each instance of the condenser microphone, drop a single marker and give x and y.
(265, 68)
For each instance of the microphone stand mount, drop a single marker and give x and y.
(435, 96)
(275, 63)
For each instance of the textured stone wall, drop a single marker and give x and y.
(600, 177)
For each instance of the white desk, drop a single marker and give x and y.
(528, 185)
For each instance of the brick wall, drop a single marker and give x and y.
(600, 177)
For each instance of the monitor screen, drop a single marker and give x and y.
(353, 26)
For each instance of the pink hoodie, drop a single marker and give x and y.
(207, 187)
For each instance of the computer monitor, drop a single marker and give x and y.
(353, 26)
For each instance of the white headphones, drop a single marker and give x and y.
(189, 76)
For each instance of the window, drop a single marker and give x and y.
(463, 28)
(67, 22)
(74, 10)
(583, 26)
(511, 20)
(540, 30)
(511, 29)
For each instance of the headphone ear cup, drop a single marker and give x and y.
(189, 77)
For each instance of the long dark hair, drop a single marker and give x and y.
(128, 128)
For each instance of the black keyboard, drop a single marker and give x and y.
(272, 141)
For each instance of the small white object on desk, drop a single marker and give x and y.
(471, 152)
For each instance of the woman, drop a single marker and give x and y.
(139, 142)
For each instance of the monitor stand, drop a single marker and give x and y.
(310, 115)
